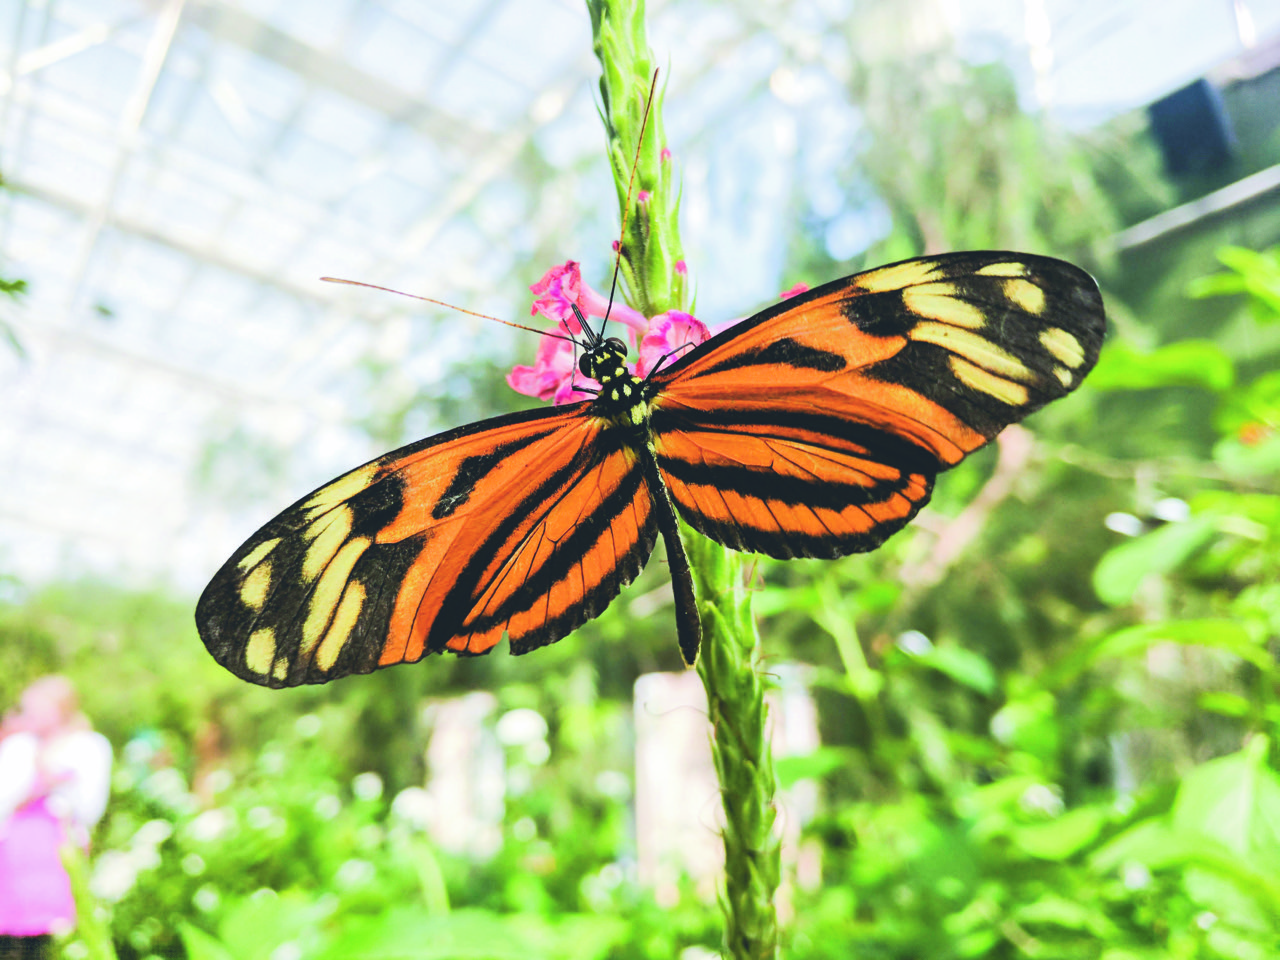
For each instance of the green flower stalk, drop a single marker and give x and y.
(652, 263)
(654, 281)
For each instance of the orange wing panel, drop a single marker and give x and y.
(526, 525)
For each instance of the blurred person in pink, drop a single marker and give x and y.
(55, 774)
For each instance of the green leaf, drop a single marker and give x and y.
(473, 934)
(810, 766)
(1187, 363)
(92, 930)
(1225, 704)
(1236, 801)
(258, 925)
(1254, 272)
(1258, 403)
(1064, 837)
(1247, 460)
(1053, 909)
(1225, 635)
(202, 946)
(962, 665)
(1123, 568)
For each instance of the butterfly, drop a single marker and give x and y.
(813, 429)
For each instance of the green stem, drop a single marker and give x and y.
(729, 664)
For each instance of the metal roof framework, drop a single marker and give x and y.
(182, 172)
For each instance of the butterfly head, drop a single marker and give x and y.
(606, 361)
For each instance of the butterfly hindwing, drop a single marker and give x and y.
(527, 525)
(816, 427)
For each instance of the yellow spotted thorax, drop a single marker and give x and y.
(622, 394)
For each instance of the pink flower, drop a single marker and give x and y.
(664, 155)
(642, 196)
(669, 335)
(562, 286)
(795, 291)
(553, 374)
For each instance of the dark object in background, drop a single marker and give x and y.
(1193, 130)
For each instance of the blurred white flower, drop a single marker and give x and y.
(1125, 523)
(521, 727)
(113, 876)
(367, 786)
(168, 786)
(153, 833)
(370, 836)
(1041, 798)
(144, 858)
(139, 751)
(271, 761)
(610, 875)
(614, 784)
(413, 805)
(354, 873)
(327, 806)
(193, 864)
(1135, 876)
(1171, 510)
(537, 753)
(75, 950)
(524, 829)
(307, 726)
(207, 898)
(210, 825)
(914, 642)
(218, 780)
(1206, 919)
(260, 818)
(289, 950)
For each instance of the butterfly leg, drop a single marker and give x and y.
(688, 625)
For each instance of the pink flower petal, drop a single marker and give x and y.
(795, 291)
(670, 333)
(552, 375)
(561, 287)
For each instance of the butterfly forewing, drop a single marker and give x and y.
(816, 427)
(526, 524)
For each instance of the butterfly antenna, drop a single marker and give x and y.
(441, 303)
(635, 162)
(592, 337)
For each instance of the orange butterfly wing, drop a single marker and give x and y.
(816, 427)
(527, 524)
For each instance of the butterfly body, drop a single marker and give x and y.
(813, 429)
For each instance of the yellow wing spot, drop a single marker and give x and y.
(253, 592)
(344, 488)
(1026, 295)
(326, 536)
(255, 555)
(343, 621)
(1006, 391)
(281, 669)
(972, 346)
(1005, 269)
(329, 590)
(1064, 376)
(896, 277)
(933, 301)
(1063, 346)
(260, 651)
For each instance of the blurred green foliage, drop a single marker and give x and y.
(1049, 709)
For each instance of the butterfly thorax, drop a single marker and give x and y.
(622, 394)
